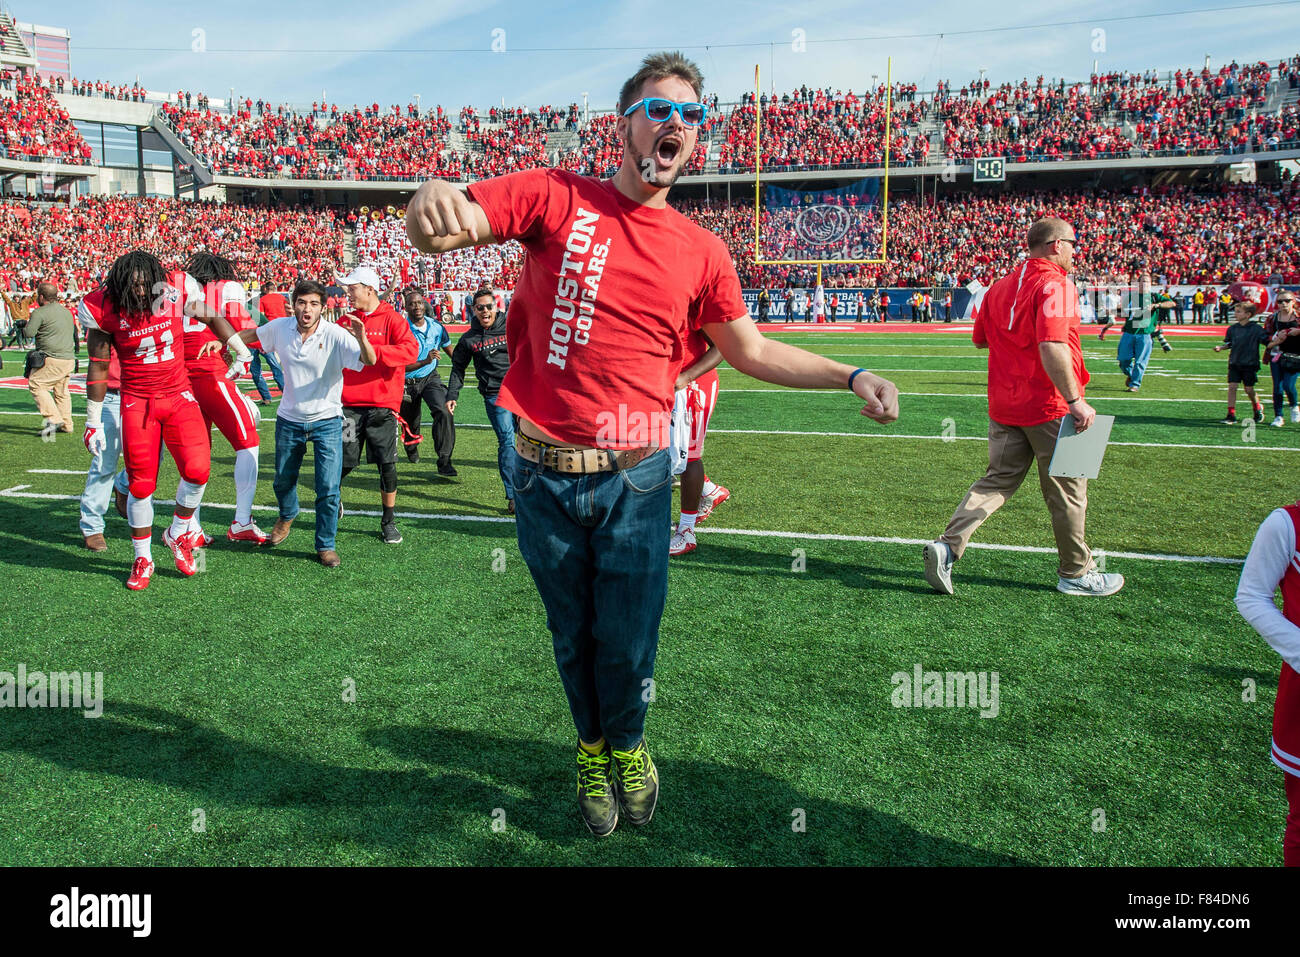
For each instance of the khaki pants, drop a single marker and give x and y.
(1012, 449)
(53, 377)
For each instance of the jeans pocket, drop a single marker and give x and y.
(523, 473)
(650, 474)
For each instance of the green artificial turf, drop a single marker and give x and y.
(773, 705)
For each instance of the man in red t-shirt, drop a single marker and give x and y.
(615, 280)
(372, 397)
(1029, 322)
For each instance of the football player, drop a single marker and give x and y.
(140, 316)
(699, 376)
(220, 401)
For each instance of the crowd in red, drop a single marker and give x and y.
(1113, 114)
(74, 247)
(817, 129)
(34, 127)
(1186, 112)
(1182, 236)
(259, 140)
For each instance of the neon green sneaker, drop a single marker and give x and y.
(637, 781)
(596, 796)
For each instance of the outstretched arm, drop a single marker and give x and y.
(752, 353)
(441, 217)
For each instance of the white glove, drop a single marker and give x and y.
(94, 434)
(241, 357)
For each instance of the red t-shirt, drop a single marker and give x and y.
(1034, 303)
(273, 306)
(609, 290)
(380, 385)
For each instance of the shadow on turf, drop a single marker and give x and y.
(457, 779)
(32, 540)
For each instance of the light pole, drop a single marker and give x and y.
(584, 109)
(417, 104)
(983, 70)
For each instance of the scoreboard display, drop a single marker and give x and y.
(990, 169)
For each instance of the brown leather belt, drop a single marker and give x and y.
(578, 461)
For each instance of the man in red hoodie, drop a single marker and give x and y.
(1029, 322)
(372, 396)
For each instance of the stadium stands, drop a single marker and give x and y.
(54, 242)
(1183, 236)
(1229, 109)
(34, 127)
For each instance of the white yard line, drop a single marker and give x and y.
(17, 491)
(1248, 446)
(973, 395)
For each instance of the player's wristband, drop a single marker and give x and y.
(1074, 400)
(854, 375)
(94, 414)
(236, 346)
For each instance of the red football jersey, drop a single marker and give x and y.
(226, 296)
(150, 347)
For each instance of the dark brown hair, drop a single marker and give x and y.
(660, 66)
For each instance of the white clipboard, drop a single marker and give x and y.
(1079, 454)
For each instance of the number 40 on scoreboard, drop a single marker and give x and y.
(990, 169)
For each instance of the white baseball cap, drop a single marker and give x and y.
(363, 275)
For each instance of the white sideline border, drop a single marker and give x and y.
(20, 491)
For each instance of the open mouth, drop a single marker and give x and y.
(668, 149)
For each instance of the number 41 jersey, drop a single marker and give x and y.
(150, 347)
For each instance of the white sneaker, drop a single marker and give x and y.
(1295, 413)
(1277, 422)
(48, 428)
(938, 567)
(1093, 582)
(683, 542)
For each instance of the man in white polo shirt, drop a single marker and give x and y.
(312, 355)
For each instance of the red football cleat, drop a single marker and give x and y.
(248, 533)
(199, 539)
(140, 574)
(182, 550)
(708, 505)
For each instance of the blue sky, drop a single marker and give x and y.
(290, 52)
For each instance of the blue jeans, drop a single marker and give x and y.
(291, 440)
(1134, 354)
(99, 477)
(503, 424)
(255, 370)
(597, 547)
(1282, 382)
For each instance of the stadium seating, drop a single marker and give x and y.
(1182, 235)
(34, 127)
(78, 245)
(1229, 109)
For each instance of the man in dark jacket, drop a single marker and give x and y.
(485, 343)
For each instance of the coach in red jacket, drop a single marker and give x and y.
(372, 396)
(1029, 322)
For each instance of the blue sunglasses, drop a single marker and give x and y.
(659, 110)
